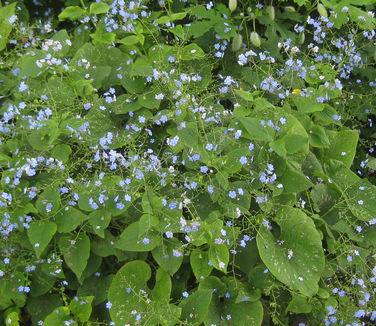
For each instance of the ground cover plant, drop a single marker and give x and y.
(187, 162)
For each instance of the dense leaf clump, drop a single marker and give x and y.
(186, 163)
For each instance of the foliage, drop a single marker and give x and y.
(179, 163)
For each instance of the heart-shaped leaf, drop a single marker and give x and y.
(296, 256)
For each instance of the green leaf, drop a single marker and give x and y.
(124, 292)
(99, 8)
(294, 136)
(360, 194)
(42, 282)
(232, 160)
(5, 30)
(164, 255)
(5, 27)
(254, 130)
(96, 286)
(9, 294)
(294, 181)
(132, 85)
(299, 305)
(40, 307)
(196, 306)
(76, 251)
(69, 219)
(146, 223)
(307, 104)
(57, 317)
(279, 147)
(246, 313)
(167, 19)
(40, 234)
(130, 241)
(151, 203)
(61, 152)
(44, 137)
(244, 95)
(7, 11)
(100, 220)
(214, 283)
(260, 277)
(142, 67)
(191, 52)
(103, 37)
(81, 307)
(71, 13)
(28, 64)
(372, 164)
(129, 40)
(148, 100)
(162, 287)
(318, 137)
(297, 259)
(219, 256)
(342, 146)
(12, 318)
(49, 196)
(200, 264)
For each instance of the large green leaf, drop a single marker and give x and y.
(58, 317)
(81, 307)
(9, 294)
(196, 306)
(40, 307)
(342, 146)
(200, 263)
(100, 220)
(191, 52)
(127, 291)
(48, 202)
(219, 256)
(359, 193)
(71, 13)
(69, 219)
(99, 8)
(307, 105)
(5, 27)
(40, 234)
(131, 241)
(162, 287)
(294, 135)
(76, 251)
(245, 313)
(296, 256)
(164, 255)
(294, 181)
(254, 130)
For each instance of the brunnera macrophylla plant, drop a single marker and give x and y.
(187, 163)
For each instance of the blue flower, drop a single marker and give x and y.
(243, 160)
(360, 313)
(232, 194)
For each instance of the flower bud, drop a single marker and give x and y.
(255, 39)
(232, 4)
(322, 10)
(290, 9)
(237, 42)
(301, 38)
(271, 12)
